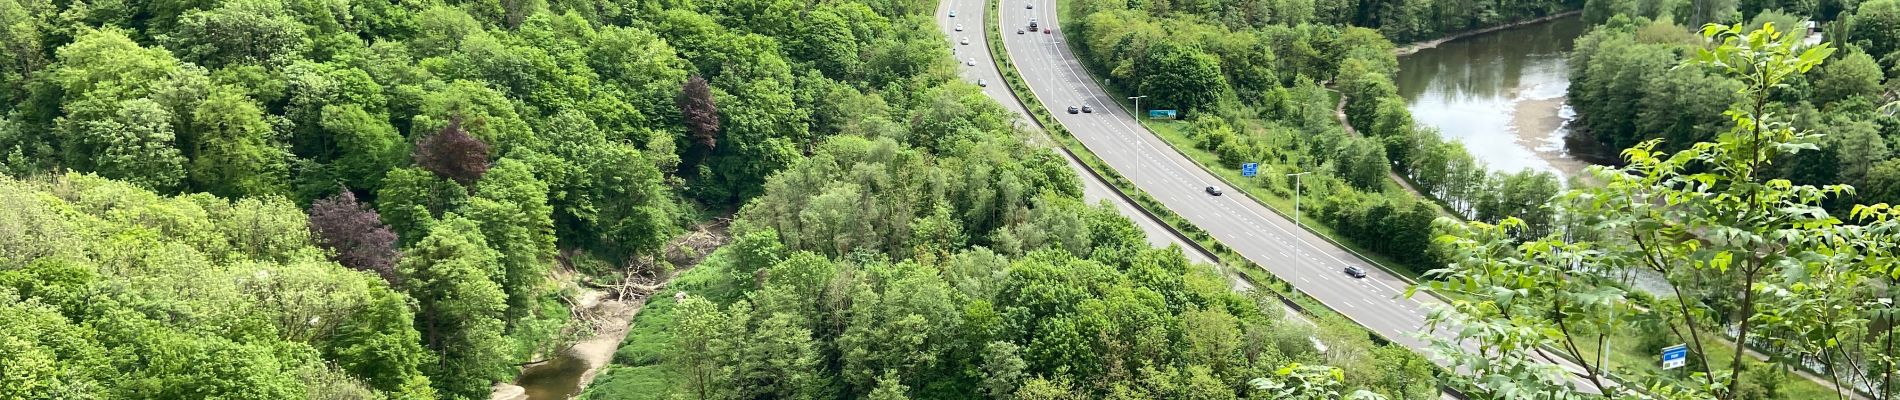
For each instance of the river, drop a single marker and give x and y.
(1502, 95)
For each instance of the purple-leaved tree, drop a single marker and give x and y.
(355, 234)
(452, 154)
(701, 115)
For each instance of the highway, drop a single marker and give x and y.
(1057, 79)
(970, 14)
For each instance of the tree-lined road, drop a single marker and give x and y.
(1057, 79)
(970, 15)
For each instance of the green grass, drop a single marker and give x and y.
(1174, 132)
(1230, 260)
(1626, 354)
(639, 371)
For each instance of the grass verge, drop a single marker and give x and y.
(1229, 260)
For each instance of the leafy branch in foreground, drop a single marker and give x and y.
(1805, 283)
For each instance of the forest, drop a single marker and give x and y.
(265, 199)
(1626, 71)
(845, 283)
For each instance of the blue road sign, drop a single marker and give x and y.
(1160, 114)
(1249, 169)
(1675, 356)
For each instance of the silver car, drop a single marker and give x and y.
(970, 62)
(965, 41)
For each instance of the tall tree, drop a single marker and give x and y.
(231, 151)
(461, 308)
(1875, 26)
(354, 234)
(453, 154)
(697, 110)
(512, 208)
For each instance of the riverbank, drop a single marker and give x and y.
(567, 373)
(608, 311)
(1538, 124)
(1415, 47)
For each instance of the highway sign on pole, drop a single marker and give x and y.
(1675, 356)
(1249, 169)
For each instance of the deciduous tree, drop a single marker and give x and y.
(354, 234)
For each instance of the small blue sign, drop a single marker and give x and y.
(1249, 169)
(1160, 114)
(1675, 356)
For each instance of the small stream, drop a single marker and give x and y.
(557, 379)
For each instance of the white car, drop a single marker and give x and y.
(970, 62)
(953, 13)
(959, 27)
(965, 41)
(1029, 5)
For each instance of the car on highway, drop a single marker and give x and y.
(1029, 5)
(1355, 272)
(970, 62)
(953, 13)
(965, 40)
(1088, 109)
(1213, 191)
(1074, 110)
(1019, 31)
(982, 83)
(959, 27)
(1032, 24)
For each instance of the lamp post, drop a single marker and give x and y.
(1296, 203)
(1138, 142)
(1296, 196)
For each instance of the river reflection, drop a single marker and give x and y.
(1500, 93)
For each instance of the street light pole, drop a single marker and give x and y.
(1138, 143)
(1296, 197)
(1296, 203)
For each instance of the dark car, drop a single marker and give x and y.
(1019, 31)
(1214, 191)
(1073, 110)
(1088, 109)
(1355, 272)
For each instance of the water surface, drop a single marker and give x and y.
(1501, 93)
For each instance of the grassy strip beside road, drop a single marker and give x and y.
(1231, 261)
(1174, 133)
(1625, 355)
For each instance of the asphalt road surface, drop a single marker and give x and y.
(1315, 266)
(970, 14)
